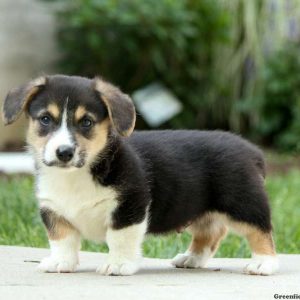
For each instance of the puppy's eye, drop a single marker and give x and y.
(45, 120)
(86, 122)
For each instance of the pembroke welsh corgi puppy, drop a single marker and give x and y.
(97, 179)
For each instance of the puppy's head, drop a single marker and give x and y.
(70, 117)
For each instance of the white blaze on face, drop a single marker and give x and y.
(61, 137)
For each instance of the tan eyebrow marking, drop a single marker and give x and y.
(81, 112)
(53, 110)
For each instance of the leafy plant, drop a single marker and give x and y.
(215, 55)
(133, 43)
(279, 106)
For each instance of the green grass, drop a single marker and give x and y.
(20, 223)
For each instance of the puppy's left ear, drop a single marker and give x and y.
(120, 108)
(18, 98)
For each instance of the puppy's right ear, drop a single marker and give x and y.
(18, 98)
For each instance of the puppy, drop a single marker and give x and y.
(97, 180)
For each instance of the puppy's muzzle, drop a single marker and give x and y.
(65, 153)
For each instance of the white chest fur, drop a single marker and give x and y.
(75, 196)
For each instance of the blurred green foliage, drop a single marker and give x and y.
(210, 53)
(133, 43)
(279, 104)
(21, 224)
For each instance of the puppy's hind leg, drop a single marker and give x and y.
(264, 259)
(207, 233)
(251, 217)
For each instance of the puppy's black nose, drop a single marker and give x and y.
(65, 153)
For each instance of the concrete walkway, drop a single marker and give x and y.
(157, 279)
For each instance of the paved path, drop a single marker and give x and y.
(157, 279)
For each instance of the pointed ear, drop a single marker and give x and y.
(18, 98)
(120, 108)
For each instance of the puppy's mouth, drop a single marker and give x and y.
(63, 165)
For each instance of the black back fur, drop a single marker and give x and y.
(182, 175)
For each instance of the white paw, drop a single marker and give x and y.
(191, 260)
(53, 265)
(118, 268)
(262, 265)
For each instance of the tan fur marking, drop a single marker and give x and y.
(37, 142)
(199, 242)
(260, 242)
(33, 88)
(129, 131)
(106, 88)
(80, 112)
(39, 81)
(207, 231)
(54, 110)
(58, 228)
(98, 141)
(210, 229)
(218, 238)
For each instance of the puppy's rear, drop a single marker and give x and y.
(206, 182)
(198, 170)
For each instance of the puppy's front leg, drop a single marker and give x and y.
(64, 242)
(124, 250)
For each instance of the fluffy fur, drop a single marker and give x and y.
(116, 187)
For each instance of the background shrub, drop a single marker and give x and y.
(133, 43)
(228, 61)
(279, 105)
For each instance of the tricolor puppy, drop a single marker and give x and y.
(97, 180)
